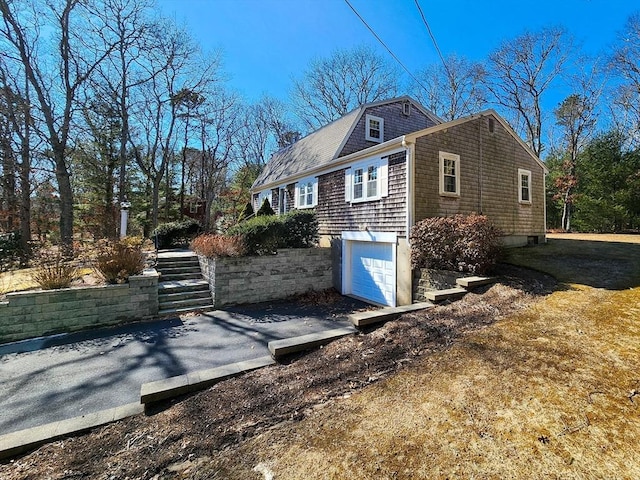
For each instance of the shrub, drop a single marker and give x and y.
(117, 261)
(300, 229)
(56, 274)
(265, 209)
(263, 235)
(246, 213)
(173, 234)
(10, 250)
(462, 243)
(213, 246)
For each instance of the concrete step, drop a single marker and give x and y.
(178, 286)
(164, 297)
(193, 308)
(287, 346)
(471, 282)
(179, 269)
(370, 317)
(172, 277)
(448, 294)
(189, 302)
(177, 263)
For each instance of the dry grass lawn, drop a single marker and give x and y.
(550, 392)
(512, 381)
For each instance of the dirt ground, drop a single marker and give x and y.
(527, 378)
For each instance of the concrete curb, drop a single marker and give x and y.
(174, 386)
(286, 346)
(15, 443)
(362, 319)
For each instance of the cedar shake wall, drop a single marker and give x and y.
(384, 215)
(396, 124)
(502, 156)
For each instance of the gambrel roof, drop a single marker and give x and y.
(322, 147)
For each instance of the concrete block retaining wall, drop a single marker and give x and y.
(259, 279)
(37, 313)
(429, 279)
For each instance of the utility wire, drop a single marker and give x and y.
(385, 45)
(433, 39)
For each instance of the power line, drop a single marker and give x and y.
(385, 46)
(433, 39)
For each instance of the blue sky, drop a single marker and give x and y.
(265, 43)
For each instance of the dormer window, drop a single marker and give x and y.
(374, 129)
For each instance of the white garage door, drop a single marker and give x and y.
(373, 272)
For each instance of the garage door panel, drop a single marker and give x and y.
(373, 271)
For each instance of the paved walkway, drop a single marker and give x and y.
(67, 376)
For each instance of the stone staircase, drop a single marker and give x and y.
(463, 285)
(181, 287)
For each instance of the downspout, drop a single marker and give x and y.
(544, 202)
(409, 156)
(480, 124)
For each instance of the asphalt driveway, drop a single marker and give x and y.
(61, 377)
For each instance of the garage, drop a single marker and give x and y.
(369, 266)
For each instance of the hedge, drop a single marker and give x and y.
(263, 235)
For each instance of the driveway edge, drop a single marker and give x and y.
(190, 382)
(15, 443)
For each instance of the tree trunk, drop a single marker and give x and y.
(66, 203)
(155, 200)
(25, 196)
(566, 212)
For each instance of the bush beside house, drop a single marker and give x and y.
(264, 235)
(461, 243)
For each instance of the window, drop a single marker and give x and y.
(307, 193)
(358, 192)
(449, 174)
(372, 181)
(374, 129)
(260, 199)
(524, 186)
(367, 181)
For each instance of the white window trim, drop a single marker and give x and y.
(368, 118)
(449, 156)
(382, 184)
(524, 173)
(314, 196)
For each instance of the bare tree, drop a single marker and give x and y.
(77, 55)
(333, 86)
(625, 62)
(189, 103)
(576, 116)
(157, 103)
(453, 89)
(521, 71)
(126, 25)
(15, 139)
(266, 128)
(220, 125)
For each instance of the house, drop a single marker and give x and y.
(373, 173)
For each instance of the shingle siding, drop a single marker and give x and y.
(388, 214)
(395, 125)
(489, 164)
